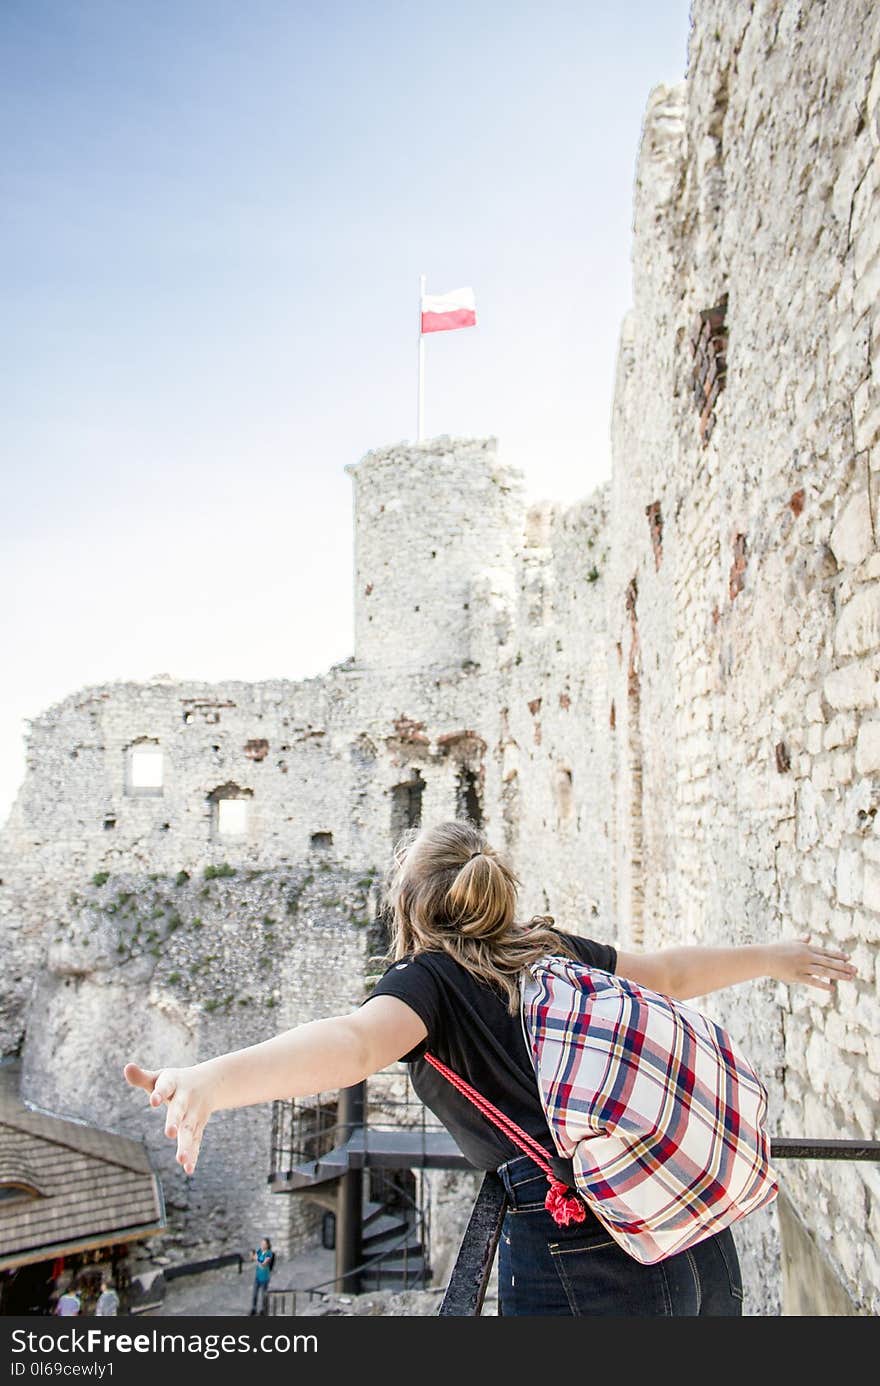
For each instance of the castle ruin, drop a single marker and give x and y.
(662, 701)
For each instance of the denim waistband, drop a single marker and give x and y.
(526, 1183)
(522, 1180)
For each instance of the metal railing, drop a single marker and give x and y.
(197, 1267)
(466, 1290)
(473, 1265)
(306, 1129)
(417, 1215)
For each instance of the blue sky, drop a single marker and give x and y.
(213, 218)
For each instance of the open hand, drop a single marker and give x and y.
(188, 1094)
(798, 960)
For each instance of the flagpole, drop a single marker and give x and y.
(421, 432)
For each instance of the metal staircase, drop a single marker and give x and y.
(359, 1155)
(395, 1235)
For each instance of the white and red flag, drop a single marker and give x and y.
(443, 312)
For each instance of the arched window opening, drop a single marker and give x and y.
(406, 805)
(144, 768)
(467, 797)
(231, 810)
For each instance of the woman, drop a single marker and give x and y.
(452, 988)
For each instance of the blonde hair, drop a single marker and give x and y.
(448, 889)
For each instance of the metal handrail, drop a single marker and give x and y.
(368, 1265)
(473, 1265)
(466, 1290)
(303, 1130)
(197, 1267)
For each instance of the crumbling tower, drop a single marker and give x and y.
(431, 521)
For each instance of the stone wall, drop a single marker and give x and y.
(743, 592)
(165, 971)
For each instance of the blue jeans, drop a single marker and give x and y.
(580, 1270)
(258, 1302)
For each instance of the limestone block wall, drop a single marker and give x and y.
(743, 654)
(549, 772)
(170, 971)
(268, 745)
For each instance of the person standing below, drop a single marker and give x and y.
(108, 1300)
(69, 1302)
(265, 1259)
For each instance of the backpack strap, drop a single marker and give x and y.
(562, 1206)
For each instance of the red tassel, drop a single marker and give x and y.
(562, 1206)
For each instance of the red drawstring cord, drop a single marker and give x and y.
(563, 1207)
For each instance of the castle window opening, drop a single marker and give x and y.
(406, 805)
(655, 527)
(232, 817)
(709, 349)
(467, 798)
(738, 567)
(563, 794)
(145, 768)
(322, 841)
(109, 824)
(231, 812)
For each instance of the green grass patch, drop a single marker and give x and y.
(213, 873)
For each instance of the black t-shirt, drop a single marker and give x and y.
(471, 1031)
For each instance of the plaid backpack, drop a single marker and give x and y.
(660, 1113)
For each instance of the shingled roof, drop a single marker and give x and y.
(65, 1186)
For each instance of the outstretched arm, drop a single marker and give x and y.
(316, 1057)
(695, 971)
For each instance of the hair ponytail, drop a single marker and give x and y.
(448, 889)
